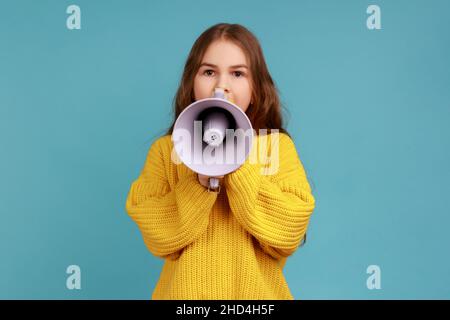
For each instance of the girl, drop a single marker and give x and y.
(230, 244)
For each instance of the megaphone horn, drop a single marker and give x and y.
(208, 126)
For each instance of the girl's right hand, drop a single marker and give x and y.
(204, 180)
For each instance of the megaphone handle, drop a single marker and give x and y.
(214, 185)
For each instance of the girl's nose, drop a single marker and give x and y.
(222, 82)
(227, 93)
(225, 90)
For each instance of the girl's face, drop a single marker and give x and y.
(224, 65)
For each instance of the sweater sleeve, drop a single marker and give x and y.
(168, 218)
(276, 211)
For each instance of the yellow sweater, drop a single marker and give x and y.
(227, 245)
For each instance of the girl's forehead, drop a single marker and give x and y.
(224, 53)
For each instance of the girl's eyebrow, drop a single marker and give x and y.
(231, 67)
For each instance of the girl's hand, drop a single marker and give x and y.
(204, 180)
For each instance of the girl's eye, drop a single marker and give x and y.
(204, 72)
(240, 73)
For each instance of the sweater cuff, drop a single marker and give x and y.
(190, 190)
(246, 179)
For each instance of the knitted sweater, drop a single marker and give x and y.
(227, 245)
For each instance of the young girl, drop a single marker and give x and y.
(230, 244)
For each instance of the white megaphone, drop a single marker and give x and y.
(213, 137)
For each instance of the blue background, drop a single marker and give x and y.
(369, 113)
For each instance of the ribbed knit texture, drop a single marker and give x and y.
(230, 245)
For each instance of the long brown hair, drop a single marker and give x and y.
(265, 111)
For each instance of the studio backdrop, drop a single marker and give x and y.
(86, 87)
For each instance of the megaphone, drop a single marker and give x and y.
(213, 137)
